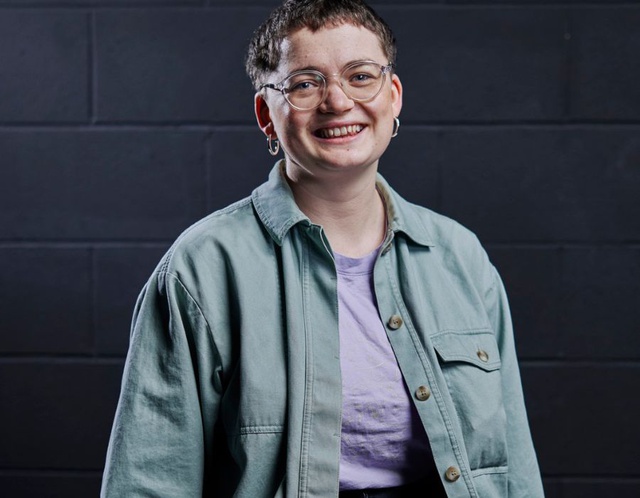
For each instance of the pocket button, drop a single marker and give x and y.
(483, 355)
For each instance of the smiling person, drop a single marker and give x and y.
(323, 337)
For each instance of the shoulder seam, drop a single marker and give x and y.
(228, 209)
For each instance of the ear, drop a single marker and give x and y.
(263, 115)
(396, 94)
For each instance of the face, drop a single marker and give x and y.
(304, 135)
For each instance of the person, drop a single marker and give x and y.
(323, 337)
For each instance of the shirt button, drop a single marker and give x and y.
(423, 393)
(452, 474)
(395, 322)
(483, 355)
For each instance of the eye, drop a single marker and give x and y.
(303, 83)
(302, 86)
(361, 77)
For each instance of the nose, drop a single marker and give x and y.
(336, 100)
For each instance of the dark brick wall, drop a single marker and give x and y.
(123, 121)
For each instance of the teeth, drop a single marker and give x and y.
(341, 131)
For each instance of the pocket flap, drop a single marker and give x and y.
(476, 347)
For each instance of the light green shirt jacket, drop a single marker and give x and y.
(232, 382)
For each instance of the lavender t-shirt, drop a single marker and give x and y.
(383, 442)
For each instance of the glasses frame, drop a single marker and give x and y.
(384, 69)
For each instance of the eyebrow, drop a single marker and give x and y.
(315, 68)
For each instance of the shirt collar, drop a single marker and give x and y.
(278, 210)
(404, 217)
(276, 206)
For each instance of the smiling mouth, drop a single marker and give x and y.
(339, 131)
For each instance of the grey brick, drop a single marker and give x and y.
(100, 185)
(120, 275)
(479, 64)
(533, 280)
(46, 300)
(577, 303)
(44, 74)
(606, 66)
(239, 162)
(56, 414)
(600, 305)
(525, 184)
(50, 484)
(175, 65)
(583, 417)
(411, 165)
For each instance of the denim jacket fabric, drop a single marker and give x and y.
(232, 381)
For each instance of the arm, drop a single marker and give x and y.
(162, 433)
(524, 474)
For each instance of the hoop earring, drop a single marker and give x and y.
(274, 147)
(396, 127)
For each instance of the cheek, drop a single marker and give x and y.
(293, 129)
(283, 121)
(384, 116)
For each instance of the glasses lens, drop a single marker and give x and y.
(362, 81)
(304, 90)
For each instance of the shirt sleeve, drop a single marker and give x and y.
(524, 475)
(163, 429)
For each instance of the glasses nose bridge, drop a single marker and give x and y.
(339, 79)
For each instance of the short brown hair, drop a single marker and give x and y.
(263, 55)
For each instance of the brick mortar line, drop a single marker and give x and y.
(123, 127)
(92, 69)
(160, 244)
(93, 299)
(402, 7)
(537, 363)
(86, 245)
(11, 472)
(222, 126)
(61, 359)
(562, 245)
(554, 478)
(578, 478)
(568, 70)
(118, 360)
(88, 6)
(133, 6)
(507, 5)
(209, 161)
(569, 478)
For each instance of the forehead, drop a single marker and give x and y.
(329, 48)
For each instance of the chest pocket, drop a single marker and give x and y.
(477, 348)
(470, 363)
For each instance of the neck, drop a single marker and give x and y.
(348, 207)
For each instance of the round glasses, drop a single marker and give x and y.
(306, 89)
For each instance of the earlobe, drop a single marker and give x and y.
(263, 115)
